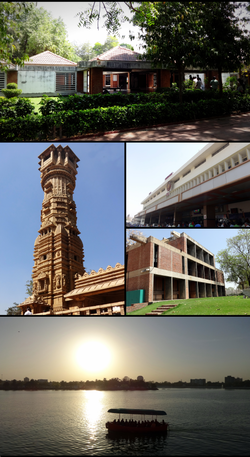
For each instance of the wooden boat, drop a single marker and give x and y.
(140, 426)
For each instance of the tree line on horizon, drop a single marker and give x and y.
(112, 384)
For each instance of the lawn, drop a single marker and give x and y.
(211, 306)
(36, 100)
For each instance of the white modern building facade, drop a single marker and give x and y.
(213, 185)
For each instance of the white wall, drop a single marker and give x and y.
(32, 82)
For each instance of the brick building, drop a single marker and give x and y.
(173, 268)
(45, 73)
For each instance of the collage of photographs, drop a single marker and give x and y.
(125, 229)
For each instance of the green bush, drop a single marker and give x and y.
(15, 107)
(12, 86)
(76, 122)
(12, 90)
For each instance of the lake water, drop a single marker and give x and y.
(202, 422)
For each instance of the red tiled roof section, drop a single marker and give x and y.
(119, 53)
(49, 58)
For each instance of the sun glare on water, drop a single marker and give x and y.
(93, 356)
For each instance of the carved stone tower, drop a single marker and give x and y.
(58, 252)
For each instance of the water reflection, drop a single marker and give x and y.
(92, 410)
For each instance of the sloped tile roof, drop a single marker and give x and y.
(11, 66)
(118, 53)
(49, 58)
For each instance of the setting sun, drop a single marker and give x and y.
(93, 356)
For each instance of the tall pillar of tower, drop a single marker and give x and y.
(58, 251)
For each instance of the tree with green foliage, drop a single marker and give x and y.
(112, 13)
(84, 51)
(10, 16)
(13, 310)
(183, 34)
(129, 46)
(172, 34)
(29, 287)
(39, 32)
(87, 52)
(171, 31)
(226, 40)
(110, 42)
(235, 260)
(97, 49)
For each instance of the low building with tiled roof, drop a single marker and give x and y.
(45, 73)
(49, 58)
(118, 53)
(118, 68)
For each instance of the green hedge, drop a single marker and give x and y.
(15, 107)
(70, 123)
(83, 102)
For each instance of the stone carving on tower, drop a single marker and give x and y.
(58, 252)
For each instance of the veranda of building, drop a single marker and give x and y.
(214, 184)
(173, 268)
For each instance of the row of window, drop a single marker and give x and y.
(225, 165)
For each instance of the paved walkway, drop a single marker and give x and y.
(229, 128)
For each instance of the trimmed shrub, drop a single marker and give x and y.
(12, 90)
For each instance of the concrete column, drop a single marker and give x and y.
(150, 288)
(187, 289)
(209, 215)
(128, 87)
(177, 217)
(172, 288)
(197, 290)
(240, 158)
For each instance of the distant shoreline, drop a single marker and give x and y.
(123, 389)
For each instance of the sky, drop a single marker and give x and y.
(159, 349)
(214, 239)
(147, 166)
(78, 35)
(99, 198)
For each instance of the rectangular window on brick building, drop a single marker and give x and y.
(156, 255)
(65, 81)
(183, 265)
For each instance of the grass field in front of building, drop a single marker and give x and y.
(210, 306)
(36, 100)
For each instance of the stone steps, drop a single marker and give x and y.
(160, 310)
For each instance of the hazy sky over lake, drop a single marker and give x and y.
(172, 348)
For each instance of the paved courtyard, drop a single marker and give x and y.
(228, 128)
